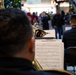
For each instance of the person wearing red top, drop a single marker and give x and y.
(30, 18)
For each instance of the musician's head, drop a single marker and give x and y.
(73, 20)
(16, 35)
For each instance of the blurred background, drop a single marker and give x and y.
(40, 5)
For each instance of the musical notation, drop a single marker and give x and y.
(49, 53)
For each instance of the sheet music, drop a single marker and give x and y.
(49, 53)
(51, 33)
(47, 35)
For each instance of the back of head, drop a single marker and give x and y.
(73, 20)
(62, 12)
(15, 31)
(57, 12)
(34, 13)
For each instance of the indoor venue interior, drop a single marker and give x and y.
(47, 28)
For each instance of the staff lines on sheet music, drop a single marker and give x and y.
(49, 40)
(47, 60)
(51, 63)
(46, 57)
(49, 53)
(54, 59)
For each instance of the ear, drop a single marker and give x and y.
(70, 22)
(32, 44)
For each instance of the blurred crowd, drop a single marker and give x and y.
(34, 17)
(49, 20)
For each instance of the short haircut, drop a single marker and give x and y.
(73, 17)
(15, 31)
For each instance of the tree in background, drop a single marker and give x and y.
(12, 4)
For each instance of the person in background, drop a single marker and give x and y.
(30, 17)
(35, 18)
(39, 19)
(45, 19)
(62, 20)
(62, 17)
(68, 17)
(69, 36)
(57, 23)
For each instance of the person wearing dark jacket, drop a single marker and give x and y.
(45, 19)
(17, 44)
(69, 36)
(57, 23)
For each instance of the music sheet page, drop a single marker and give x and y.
(51, 33)
(49, 53)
